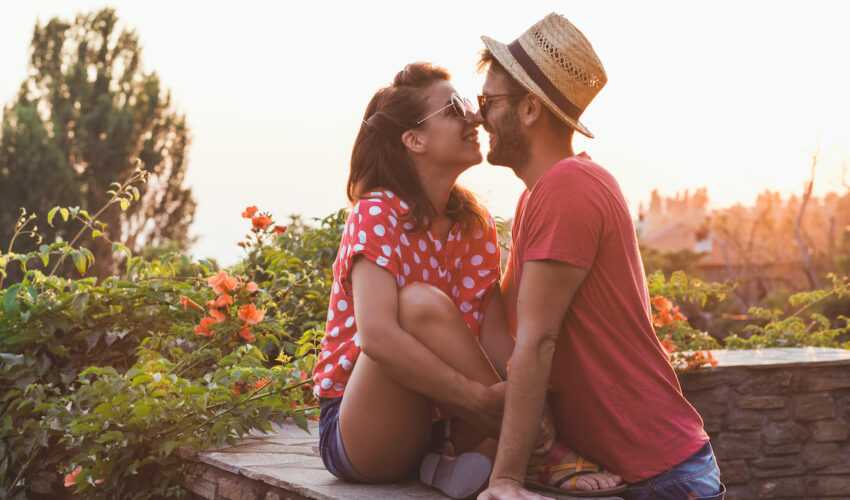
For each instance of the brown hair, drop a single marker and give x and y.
(379, 158)
(488, 62)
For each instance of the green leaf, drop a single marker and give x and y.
(96, 233)
(79, 261)
(50, 215)
(125, 204)
(64, 212)
(44, 252)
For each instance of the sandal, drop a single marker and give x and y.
(543, 481)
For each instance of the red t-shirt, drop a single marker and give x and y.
(466, 269)
(615, 396)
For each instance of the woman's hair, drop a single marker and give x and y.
(379, 158)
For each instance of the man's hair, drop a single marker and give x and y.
(488, 62)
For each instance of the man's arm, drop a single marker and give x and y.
(544, 297)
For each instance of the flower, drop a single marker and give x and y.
(187, 302)
(251, 287)
(250, 314)
(283, 358)
(261, 222)
(203, 329)
(223, 301)
(279, 229)
(668, 345)
(249, 212)
(245, 333)
(223, 283)
(218, 315)
(71, 478)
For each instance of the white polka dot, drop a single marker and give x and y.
(334, 331)
(416, 258)
(316, 390)
(398, 251)
(451, 237)
(404, 241)
(382, 261)
(336, 287)
(454, 291)
(400, 281)
(468, 282)
(389, 194)
(346, 364)
(387, 250)
(480, 293)
(326, 354)
(483, 272)
(465, 307)
(441, 272)
(406, 269)
(351, 229)
(475, 315)
(356, 339)
(448, 276)
(467, 248)
(362, 236)
(360, 218)
(330, 314)
(407, 225)
(357, 207)
(349, 321)
(477, 260)
(425, 274)
(328, 367)
(457, 263)
(379, 230)
(403, 204)
(374, 210)
(375, 200)
(356, 248)
(433, 262)
(491, 248)
(422, 245)
(342, 305)
(437, 245)
(326, 383)
(393, 221)
(324, 341)
(478, 234)
(339, 387)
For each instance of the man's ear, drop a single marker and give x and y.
(413, 141)
(530, 110)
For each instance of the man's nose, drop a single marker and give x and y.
(475, 118)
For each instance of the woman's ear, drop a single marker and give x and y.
(413, 140)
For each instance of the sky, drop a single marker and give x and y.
(733, 96)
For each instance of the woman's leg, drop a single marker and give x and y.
(385, 426)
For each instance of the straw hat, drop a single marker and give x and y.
(555, 62)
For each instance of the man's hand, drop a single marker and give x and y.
(491, 406)
(508, 489)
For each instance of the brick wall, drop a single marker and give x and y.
(778, 431)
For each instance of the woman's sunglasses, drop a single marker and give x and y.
(460, 107)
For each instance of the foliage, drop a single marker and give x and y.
(85, 111)
(105, 381)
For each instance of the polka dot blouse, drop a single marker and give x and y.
(466, 269)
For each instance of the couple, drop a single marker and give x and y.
(421, 324)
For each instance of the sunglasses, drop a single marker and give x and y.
(461, 108)
(484, 101)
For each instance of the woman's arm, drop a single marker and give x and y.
(403, 356)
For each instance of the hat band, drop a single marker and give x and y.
(537, 76)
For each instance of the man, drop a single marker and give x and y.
(576, 281)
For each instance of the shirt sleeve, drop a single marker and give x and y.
(370, 231)
(478, 270)
(564, 218)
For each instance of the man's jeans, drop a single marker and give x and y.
(696, 478)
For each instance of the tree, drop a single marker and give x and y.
(84, 115)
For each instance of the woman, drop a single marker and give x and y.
(416, 325)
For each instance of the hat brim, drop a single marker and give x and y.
(506, 59)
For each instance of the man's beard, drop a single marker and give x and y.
(510, 147)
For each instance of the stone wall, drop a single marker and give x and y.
(779, 430)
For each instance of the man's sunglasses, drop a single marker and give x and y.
(484, 101)
(460, 107)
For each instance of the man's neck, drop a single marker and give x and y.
(544, 154)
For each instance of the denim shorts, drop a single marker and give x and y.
(330, 443)
(696, 478)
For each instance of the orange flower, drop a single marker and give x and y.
(261, 222)
(250, 314)
(223, 300)
(245, 333)
(263, 383)
(223, 283)
(249, 212)
(218, 315)
(279, 229)
(668, 345)
(187, 302)
(661, 303)
(203, 329)
(251, 287)
(71, 478)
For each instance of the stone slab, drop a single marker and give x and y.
(777, 356)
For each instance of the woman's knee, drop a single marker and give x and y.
(421, 304)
